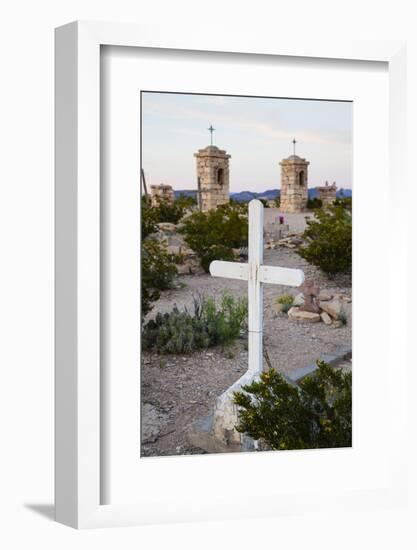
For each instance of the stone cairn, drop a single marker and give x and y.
(312, 305)
(327, 193)
(161, 192)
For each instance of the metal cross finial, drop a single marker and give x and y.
(293, 145)
(211, 130)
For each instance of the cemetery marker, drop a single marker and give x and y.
(217, 433)
(256, 274)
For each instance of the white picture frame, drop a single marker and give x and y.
(78, 406)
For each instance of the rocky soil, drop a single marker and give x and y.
(177, 390)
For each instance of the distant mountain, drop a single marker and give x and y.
(344, 193)
(269, 194)
(244, 196)
(241, 196)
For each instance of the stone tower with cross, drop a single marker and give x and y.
(294, 183)
(212, 176)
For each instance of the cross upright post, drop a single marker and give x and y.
(255, 289)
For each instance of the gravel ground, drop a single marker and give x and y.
(177, 390)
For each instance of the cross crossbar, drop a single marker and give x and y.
(267, 274)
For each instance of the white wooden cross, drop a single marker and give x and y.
(256, 274)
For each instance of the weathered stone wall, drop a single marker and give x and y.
(161, 192)
(327, 193)
(294, 184)
(213, 174)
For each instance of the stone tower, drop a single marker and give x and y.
(327, 193)
(294, 184)
(213, 177)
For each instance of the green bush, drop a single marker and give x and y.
(314, 203)
(329, 239)
(345, 202)
(165, 212)
(157, 273)
(315, 414)
(149, 218)
(286, 301)
(185, 201)
(212, 235)
(182, 332)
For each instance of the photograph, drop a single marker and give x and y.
(246, 273)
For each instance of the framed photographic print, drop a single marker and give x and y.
(222, 349)
(236, 326)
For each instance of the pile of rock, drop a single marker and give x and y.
(290, 241)
(330, 310)
(314, 306)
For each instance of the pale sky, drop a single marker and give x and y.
(256, 132)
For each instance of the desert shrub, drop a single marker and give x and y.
(314, 203)
(286, 301)
(212, 235)
(165, 212)
(185, 201)
(208, 325)
(329, 239)
(345, 202)
(157, 273)
(315, 414)
(149, 218)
